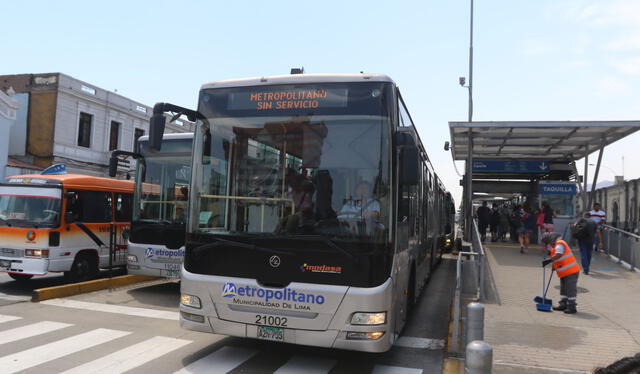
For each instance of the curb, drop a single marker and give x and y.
(47, 293)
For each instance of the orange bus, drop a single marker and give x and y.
(68, 223)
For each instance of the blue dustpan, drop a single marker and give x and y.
(542, 300)
(542, 303)
(543, 307)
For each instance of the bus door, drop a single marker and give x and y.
(90, 226)
(121, 226)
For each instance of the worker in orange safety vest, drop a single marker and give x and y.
(565, 264)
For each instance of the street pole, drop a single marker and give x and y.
(469, 184)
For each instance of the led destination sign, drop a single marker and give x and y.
(297, 98)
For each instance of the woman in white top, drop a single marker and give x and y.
(599, 217)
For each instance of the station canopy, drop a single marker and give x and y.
(533, 150)
(536, 140)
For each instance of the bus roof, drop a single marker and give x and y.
(178, 135)
(81, 181)
(298, 78)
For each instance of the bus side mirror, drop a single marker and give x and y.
(113, 166)
(156, 127)
(409, 162)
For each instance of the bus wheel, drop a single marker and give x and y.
(21, 277)
(83, 268)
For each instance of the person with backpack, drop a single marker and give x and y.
(583, 231)
(527, 222)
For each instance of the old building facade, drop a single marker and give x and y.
(8, 108)
(66, 120)
(620, 203)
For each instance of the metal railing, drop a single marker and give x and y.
(470, 278)
(622, 245)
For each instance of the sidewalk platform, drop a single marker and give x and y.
(605, 329)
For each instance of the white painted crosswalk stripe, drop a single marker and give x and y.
(29, 331)
(306, 365)
(4, 296)
(221, 361)
(39, 355)
(131, 357)
(117, 309)
(384, 369)
(422, 343)
(4, 318)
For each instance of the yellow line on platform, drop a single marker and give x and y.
(47, 293)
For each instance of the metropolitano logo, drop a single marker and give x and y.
(229, 290)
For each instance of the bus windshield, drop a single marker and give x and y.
(29, 206)
(295, 161)
(162, 182)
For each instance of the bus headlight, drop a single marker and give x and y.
(132, 258)
(352, 335)
(361, 318)
(39, 253)
(189, 300)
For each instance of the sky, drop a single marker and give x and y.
(533, 60)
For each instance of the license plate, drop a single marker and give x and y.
(271, 333)
(5, 264)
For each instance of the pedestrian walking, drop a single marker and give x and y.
(484, 215)
(566, 266)
(494, 221)
(584, 231)
(525, 227)
(503, 226)
(514, 223)
(549, 213)
(599, 217)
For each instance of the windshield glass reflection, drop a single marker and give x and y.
(298, 174)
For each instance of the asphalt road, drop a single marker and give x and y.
(135, 329)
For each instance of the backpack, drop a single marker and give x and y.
(580, 230)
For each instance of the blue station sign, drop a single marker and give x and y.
(510, 166)
(557, 189)
(55, 169)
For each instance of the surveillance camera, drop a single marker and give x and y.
(462, 80)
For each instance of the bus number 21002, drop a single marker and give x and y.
(271, 320)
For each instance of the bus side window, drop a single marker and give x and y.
(124, 205)
(92, 206)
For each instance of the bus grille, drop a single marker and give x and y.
(11, 252)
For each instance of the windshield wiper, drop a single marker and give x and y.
(325, 240)
(240, 245)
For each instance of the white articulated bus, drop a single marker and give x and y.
(315, 216)
(156, 243)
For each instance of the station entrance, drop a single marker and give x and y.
(532, 162)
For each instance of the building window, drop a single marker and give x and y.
(137, 134)
(84, 131)
(113, 135)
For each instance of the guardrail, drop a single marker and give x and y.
(470, 278)
(622, 246)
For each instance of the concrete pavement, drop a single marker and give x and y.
(605, 329)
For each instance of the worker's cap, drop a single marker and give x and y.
(549, 238)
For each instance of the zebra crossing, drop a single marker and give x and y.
(222, 359)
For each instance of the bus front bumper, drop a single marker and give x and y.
(327, 338)
(23, 265)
